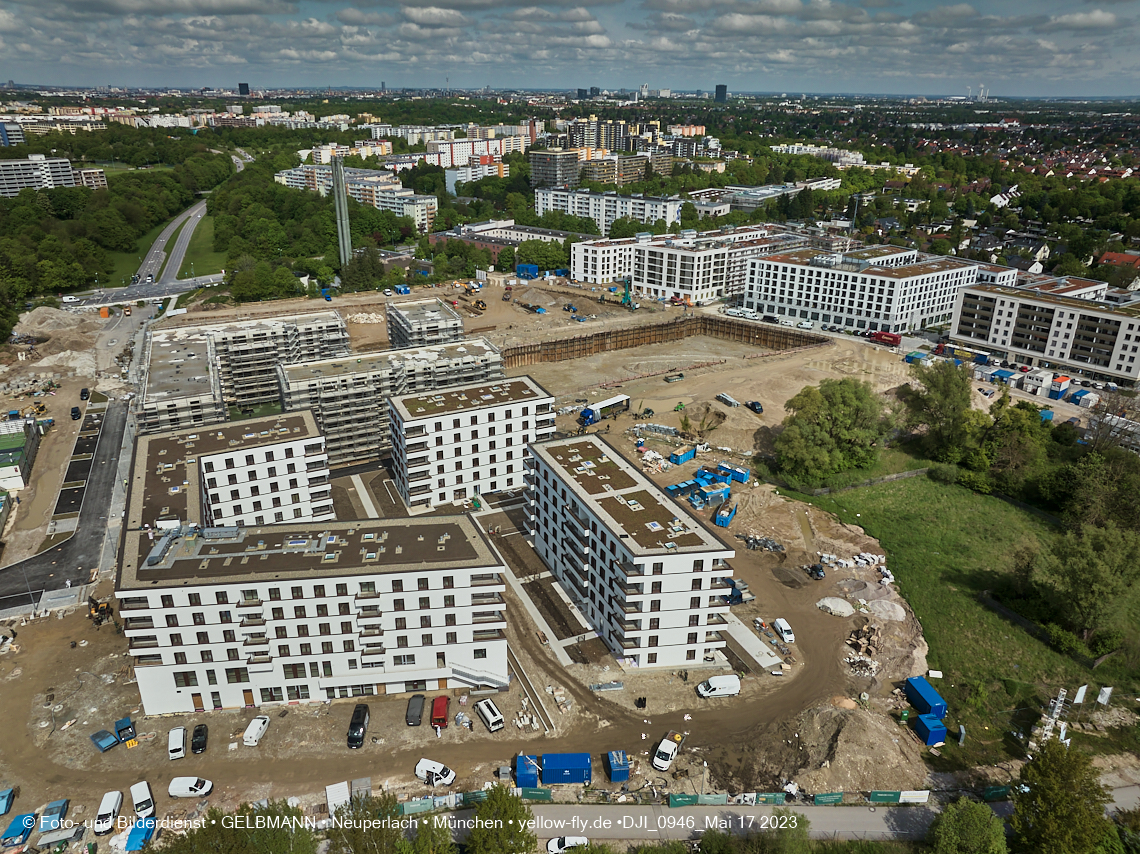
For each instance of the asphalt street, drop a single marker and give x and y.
(152, 263)
(22, 583)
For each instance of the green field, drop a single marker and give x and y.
(945, 545)
(128, 263)
(200, 253)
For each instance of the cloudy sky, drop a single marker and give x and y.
(1014, 47)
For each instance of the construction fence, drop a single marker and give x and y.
(727, 329)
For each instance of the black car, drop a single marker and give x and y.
(755, 406)
(84, 394)
(199, 738)
(75, 413)
(415, 713)
(358, 726)
(816, 571)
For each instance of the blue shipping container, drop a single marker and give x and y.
(924, 698)
(527, 271)
(682, 455)
(734, 472)
(618, 764)
(981, 359)
(566, 768)
(930, 730)
(526, 771)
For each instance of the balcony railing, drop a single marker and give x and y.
(713, 636)
(259, 658)
(250, 603)
(367, 594)
(255, 642)
(632, 589)
(251, 621)
(631, 607)
(138, 623)
(630, 625)
(140, 643)
(416, 446)
(369, 614)
(488, 634)
(373, 650)
(486, 579)
(496, 617)
(371, 632)
(410, 432)
(629, 568)
(486, 599)
(133, 604)
(630, 643)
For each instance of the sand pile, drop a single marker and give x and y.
(83, 363)
(885, 610)
(45, 320)
(835, 606)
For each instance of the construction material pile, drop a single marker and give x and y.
(867, 640)
(755, 542)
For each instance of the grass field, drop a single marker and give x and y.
(945, 545)
(200, 253)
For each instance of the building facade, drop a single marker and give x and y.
(878, 288)
(554, 167)
(375, 188)
(604, 208)
(482, 166)
(646, 575)
(466, 441)
(1075, 325)
(422, 323)
(38, 172)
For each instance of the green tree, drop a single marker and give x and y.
(432, 837)
(1059, 806)
(1087, 573)
(941, 404)
(505, 825)
(790, 834)
(833, 427)
(366, 825)
(239, 833)
(967, 827)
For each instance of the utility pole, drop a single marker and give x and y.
(340, 202)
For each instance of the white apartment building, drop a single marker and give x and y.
(604, 208)
(646, 575)
(261, 472)
(422, 323)
(375, 188)
(1079, 326)
(880, 287)
(38, 172)
(455, 444)
(474, 170)
(699, 268)
(309, 610)
(413, 134)
(457, 152)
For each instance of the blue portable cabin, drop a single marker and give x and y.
(923, 697)
(734, 472)
(104, 740)
(566, 768)
(914, 356)
(526, 271)
(562, 273)
(403, 289)
(1003, 376)
(930, 729)
(19, 830)
(140, 834)
(7, 797)
(682, 455)
(526, 771)
(1076, 396)
(617, 764)
(981, 359)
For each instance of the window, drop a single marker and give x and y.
(692, 637)
(401, 622)
(403, 660)
(425, 602)
(198, 618)
(691, 655)
(697, 584)
(348, 646)
(653, 640)
(314, 669)
(425, 622)
(655, 587)
(452, 638)
(302, 631)
(176, 639)
(695, 602)
(658, 568)
(326, 648)
(167, 601)
(203, 637)
(277, 613)
(421, 584)
(654, 604)
(212, 677)
(449, 601)
(326, 666)
(425, 640)
(232, 655)
(274, 594)
(297, 593)
(186, 679)
(694, 619)
(207, 656)
(319, 591)
(297, 692)
(342, 610)
(342, 590)
(271, 695)
(299, 612)
(449, 619)
(223, 599)
(171, 620)
(306, 649)
(401, 641)
(179, 658)
(397, 604)
(448, 582)
(479, 653)
(324, 628)
(283, 651)
(654, 623)
(235, 675)
(195, 598)
(651, 658)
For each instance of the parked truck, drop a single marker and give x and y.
(595, 412)
(891, 339)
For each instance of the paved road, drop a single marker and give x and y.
(23, 583)
(152, 264)
(182, 243)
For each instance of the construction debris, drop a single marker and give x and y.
(755, 541)
(867, 640)
(862, 667)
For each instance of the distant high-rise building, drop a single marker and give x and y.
(721, 93)
(243, 89)
(583, 94)
(383, 86)
(595, 91)
(554, 167)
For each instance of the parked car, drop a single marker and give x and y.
(725, 685)
(434, 773)
(358, 726)
(108, 811)
(804, 324)
(189, 787)
(666, 752)
(54, 813)
(142, 799)
(491, 716)
(75, 413)
(414, 716)
(176, 743)
(84, 394)
(199, 739)
(755, 406)
(565, 843)
(254, 732)
(784, 630)
(440, 711)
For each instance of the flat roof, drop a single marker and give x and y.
(647, 520)
(903, 271)
(179, 366)
(198, 324)
(1076, 303)
(385, 360)
(882, 251)
(421, 311)
(413, 407)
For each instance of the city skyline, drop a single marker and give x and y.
(1013, 48)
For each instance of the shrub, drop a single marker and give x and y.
(944, 473)
(976, 481)
(1064, 641)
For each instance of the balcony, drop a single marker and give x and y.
(628, 568)
(575, 547)
(492, 617)
(720, 584)
(317, 465)
(544, 423)
(133, 604)
(413, 462)
(371, 632)
(630, 625)
(250, 603)
(367, 594)
(631, 643)
(486, 599)
(631, 589)
(411, 432)
(259, 641)
(631, 607)
(259, 658)
(369, 614)
(246, 622)
(373, 650)
(488, 635)
(142, 643)
(713, 636)
(487, 579)
(716, 620)
(417, 446)
(148, 660)
(138, 623)
(420, 490)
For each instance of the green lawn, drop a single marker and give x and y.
(200, 253)
(945, 545)
(169, 246)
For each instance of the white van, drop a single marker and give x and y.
(176, 743)
(787, 321)
(490, 714)
(142, 799)
(784, 630)
(70, 299)
(108, 811)
(720, 686)
(805, 324)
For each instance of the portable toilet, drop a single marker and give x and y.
(526, 771)
(617, 763)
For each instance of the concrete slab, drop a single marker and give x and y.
(756, 647)
(365, 497)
